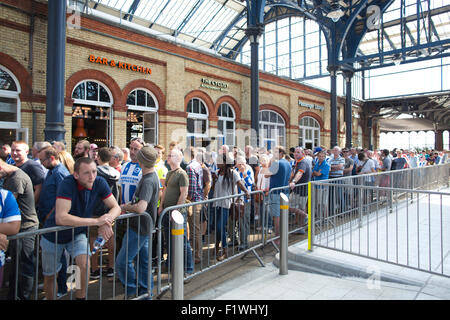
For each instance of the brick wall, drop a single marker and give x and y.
(175, 73)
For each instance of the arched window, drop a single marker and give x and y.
(197, 122)
(309, 133)
(272, 129)
(9, 100)
(93, 93)
(142, 116)
(92, 113)
(9, 107)
(226, 125)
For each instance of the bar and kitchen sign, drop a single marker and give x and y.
(119, 64)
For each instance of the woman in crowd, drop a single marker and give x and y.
(67, 160)
(224, 184)
(262, 183)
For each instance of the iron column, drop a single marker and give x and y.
(56, 51)
(348, 108)
(254, 34)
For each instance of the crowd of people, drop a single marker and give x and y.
(90, 189)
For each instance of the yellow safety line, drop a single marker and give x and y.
(177, 232)
(285, 207)
(309, 217)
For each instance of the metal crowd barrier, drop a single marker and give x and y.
(207, 226)
(405, 225)
(22, 274)
(328, 210)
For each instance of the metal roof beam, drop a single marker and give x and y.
(216, 43)
(188, 17)
(160, 13)
(389, 40)
(129, 16)
(210, 20)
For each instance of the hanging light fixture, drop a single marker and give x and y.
(335, 11)
(80, 132)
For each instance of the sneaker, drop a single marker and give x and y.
(59, 295)
(300, 231)
(270, 231)
(95, 274)
(256, 217)
(243, 247)
(109, 272)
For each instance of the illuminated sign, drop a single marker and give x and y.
(119, 64)
(86, 112)
(132, 117)
(214, 85)
(310, 106)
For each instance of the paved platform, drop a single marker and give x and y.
(265, 283)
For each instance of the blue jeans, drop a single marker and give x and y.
(221, 225)
(138, 246)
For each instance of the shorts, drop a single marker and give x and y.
(322, 195)
(51, 252)
(297, 201)
(274, 204)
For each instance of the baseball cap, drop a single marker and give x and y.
(317, 149)
(93, 146)
(147, 156)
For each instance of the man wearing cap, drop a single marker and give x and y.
(135, 244)
(298, 198)
(93, 152)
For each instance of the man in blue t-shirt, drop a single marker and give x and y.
(48, 157)
(10, 218)
(76, 200)
(320, 172)
(280, 171)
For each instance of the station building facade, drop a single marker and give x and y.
(122, 83)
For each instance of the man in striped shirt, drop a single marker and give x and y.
(195, 193)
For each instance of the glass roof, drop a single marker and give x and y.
(423, 25)
(219, 25)
(201, 22)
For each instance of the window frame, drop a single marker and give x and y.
(269, 123)
(314, 129)
(146, 110)
(198, 116)
(232, 119)
(12, 95)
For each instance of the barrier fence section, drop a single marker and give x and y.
(124, 263)
(216, 230)
(392, 217)
(340, 214)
